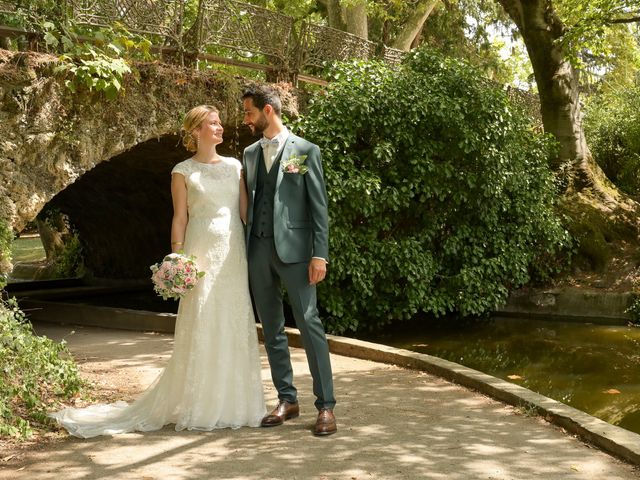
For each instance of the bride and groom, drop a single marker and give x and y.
(213, 378)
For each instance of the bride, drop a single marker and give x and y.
(213, 378)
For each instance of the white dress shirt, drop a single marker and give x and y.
(270, 151)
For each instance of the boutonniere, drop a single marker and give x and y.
(295, 164)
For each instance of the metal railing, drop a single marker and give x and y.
(247, 35)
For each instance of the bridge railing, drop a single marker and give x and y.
(156, 17)
(248, 35)
(247, 29)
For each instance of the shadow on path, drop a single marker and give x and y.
(393, 424)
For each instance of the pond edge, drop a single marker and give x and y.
(616, 441)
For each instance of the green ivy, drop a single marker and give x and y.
(6, 240)
(440, 196)
(35, 372)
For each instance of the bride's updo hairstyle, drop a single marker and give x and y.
(192, 121)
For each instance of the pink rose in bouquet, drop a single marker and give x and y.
(175, 275)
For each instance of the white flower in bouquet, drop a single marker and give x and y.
(175, 275)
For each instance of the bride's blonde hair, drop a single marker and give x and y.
(193, 120)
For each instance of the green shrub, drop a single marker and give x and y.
(440, 195)
(97, 68)
(6, 239)
(70, 262)
(35, 371)
(612, 128)
(634, 310)
(98, 65)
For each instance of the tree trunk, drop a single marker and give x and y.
(51, 238)
(593, 205)
(356, 19)
(557, 83)
(334, 15)
(417, 40)
(414, 25)
(191, 41)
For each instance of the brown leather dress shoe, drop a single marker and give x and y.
(284, 411)
(326, 423)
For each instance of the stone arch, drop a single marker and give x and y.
(104, 163)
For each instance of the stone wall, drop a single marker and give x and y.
(104, 163)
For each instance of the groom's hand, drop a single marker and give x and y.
(317, 270)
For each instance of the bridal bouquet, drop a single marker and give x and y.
(175, 275)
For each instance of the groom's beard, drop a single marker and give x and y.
(260, 126)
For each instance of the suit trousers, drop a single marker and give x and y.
(267, 275)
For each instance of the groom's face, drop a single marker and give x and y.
(254, 118)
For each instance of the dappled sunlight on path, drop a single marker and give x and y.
(393, 424)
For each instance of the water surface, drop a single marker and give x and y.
(594, 368)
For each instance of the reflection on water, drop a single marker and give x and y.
(593, 368)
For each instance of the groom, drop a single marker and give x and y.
(287, 244)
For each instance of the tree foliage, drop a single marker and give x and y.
(587, 23)
(99, 65)
(612, 125)
(469, 29)
(440, 196)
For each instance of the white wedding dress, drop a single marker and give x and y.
(213, 379)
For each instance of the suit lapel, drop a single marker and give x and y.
(253, 157)
(286, 153)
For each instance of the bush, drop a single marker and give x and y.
(634, 310)
(61, 243)
(440, 195)
(6, 239)
(35, 371)
(612, 127)
(69, 263)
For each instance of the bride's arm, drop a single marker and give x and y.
(180, 215)
(244, 198)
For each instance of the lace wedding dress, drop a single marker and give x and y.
(213, 379)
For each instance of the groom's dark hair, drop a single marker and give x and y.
(262, 95)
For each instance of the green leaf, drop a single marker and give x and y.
(51, 40)
(428, 212)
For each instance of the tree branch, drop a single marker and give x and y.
(624, 20)
(414, 25)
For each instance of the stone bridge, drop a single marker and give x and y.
(106, 164)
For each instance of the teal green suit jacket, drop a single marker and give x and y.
(300, 213)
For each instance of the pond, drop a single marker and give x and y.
(593, 368)
(28, 257)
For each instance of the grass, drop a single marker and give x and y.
(27, 250)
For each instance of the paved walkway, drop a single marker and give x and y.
(393, 424)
